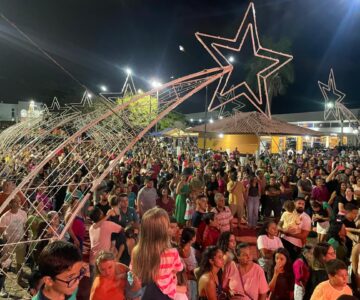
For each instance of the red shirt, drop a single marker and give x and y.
(211, 236)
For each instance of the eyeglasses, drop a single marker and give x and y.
(70, 283)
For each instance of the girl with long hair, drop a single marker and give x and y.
(227, 244)
(210, 283)
(282, 284)
(156, 273)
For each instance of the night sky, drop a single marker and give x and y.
(97, 40)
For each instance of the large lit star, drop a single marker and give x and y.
(330, 106)
(213, 45)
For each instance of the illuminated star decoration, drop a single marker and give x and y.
(78, 107)
(330, 106)
(224, 99)
(278, 59)
(55, 107)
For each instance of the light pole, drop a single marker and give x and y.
(206, 111)
(155, 84)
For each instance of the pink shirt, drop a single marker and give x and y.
(254, 281)
(301, 272)
(223, 218)
(170, 264)
(100, 237)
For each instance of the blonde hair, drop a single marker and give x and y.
(101, 257)
(153, 241)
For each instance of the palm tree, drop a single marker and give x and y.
(278, 82)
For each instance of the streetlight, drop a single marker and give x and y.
(211, 121)
(200, 120)
(155, 84)
(330, 104)
(231, 59)
(221, 135)
(181, 48)
(140, 91)
(103, 88)
(32, 102)
(128, 71)
(191, 120)
(89, 95)
(221, 117)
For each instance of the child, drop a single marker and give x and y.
(302, 272)
(289, 220)
(320, 218)
(61, 268)
(211, 232)
(336, 286)
(158, 274)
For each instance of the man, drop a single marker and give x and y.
(304, 186)
(352, 232)
(272, 202)
(223, 214)
(128, 214)
(262, 182)
(336, 286)
(293, 242)
(146, 197)
(62, 269)
(7, 187)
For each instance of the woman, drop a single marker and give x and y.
(282, 283)
(182, 192)
(267, 242)
(77, 226)
(323, 252)
(227, 244)
(187, 254)
(336, 197)
(253, 193)
(337, 239)
(110, 281)
(221, 183)
(166, 202)
(210, 285)
(236, 197)
(349, 198)
(247, 279)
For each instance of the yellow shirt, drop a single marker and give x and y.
(325, 291)
(236, 196)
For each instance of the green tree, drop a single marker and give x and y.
(278, 82)
(172, 120)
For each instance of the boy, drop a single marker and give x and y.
(336, 286)
(61, 269)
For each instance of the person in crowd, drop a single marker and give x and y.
(294, 242)
(77, 224)
(352, 233)
(100, 235)
(285, 188)
(320, 219)
(187, 254)
(336, 285)
(349, 198)
(236, 197)
(157, 273)
(337, 196)
(222, 213)
(320, 192)
(103, 203)
(301, 268)
(253, 194)
(211, 189)
(304, 186)
(147, 196)
(247, 279)
(198, 219)
(322, 253)
(227, 244)
(12, 229)
(182, 192)
(290, 219)
(281, 285)
(127, 244)
(110, 280)
(273, 203)
(61, 269)
(211, 233)
(7, 187)
(337, 239)
(166, 202)
(209, 279)
(197, 183)
(267, 243)
(128, 215)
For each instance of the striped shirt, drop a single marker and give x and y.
(170, 264)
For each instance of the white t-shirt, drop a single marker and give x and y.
(14, 224)
(305, 224)
(264, 242)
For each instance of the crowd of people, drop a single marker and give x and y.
(166, 224)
